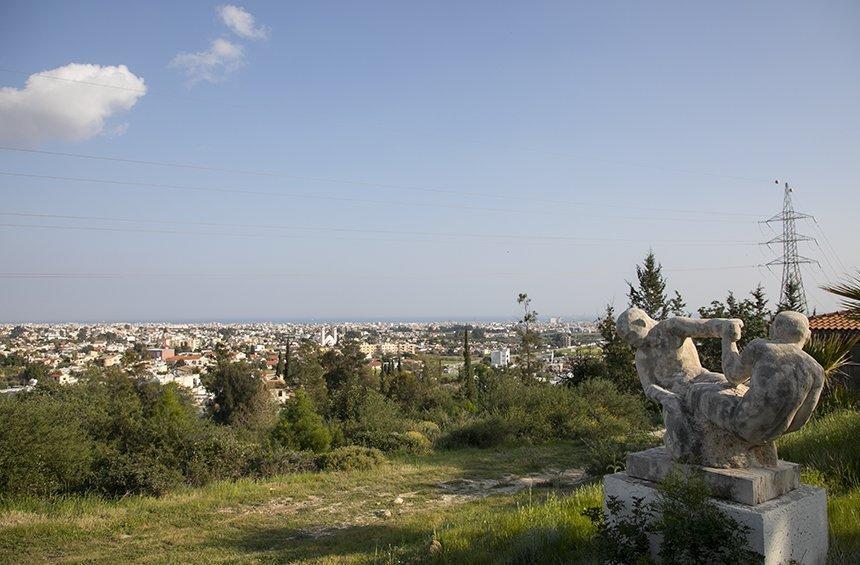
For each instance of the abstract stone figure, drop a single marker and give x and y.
(785, 383)
(716, 420)
(667, 363)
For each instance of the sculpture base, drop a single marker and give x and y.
(789, 529)
(748, 486)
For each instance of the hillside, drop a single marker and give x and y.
(503, 504)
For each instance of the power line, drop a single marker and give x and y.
(375, 275)
(512, 241)
(271, 174)
(337, 198)
(348, 230)
(614, 162)
(824, 251)
(268, 193)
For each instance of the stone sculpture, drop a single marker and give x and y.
(722, 428)
(717, 420)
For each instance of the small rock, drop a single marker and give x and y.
(435, 547)
(398, 500)
(384, 513)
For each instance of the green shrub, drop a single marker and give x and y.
(272, 460)
(299, 427)
(416, 442)
(488, 431)
(350, 458)
(212, 454)
(43, 448)
(539, 412)
(393, 442)
(694, 529)
(121, 474)
(428, 429)
(624, 537)
(690, 526)
(116, 436)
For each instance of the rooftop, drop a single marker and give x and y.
(835, 321)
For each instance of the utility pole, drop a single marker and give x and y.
(790, 259)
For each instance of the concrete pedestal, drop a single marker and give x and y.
(789, 529)
(747, 486)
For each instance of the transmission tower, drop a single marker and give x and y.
(790, 260)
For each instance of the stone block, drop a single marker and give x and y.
(786, 530)
(748, 486)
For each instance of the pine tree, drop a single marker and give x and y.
(617, 355)
(792, 300)
(529, 339)
(754, 314)
(650, 295)
(757, 325)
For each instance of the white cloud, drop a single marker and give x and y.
(213, 65)
(241, 22)
(63, 108)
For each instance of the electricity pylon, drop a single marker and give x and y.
(790, 259)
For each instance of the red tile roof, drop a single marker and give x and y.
(834, 321)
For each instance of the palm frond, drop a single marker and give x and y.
(850, 292)
(832, 351)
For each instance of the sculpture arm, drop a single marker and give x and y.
(652, 390)
(737, 367)
(699, 328)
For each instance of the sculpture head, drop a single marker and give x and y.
(633, 325)
(790, 327)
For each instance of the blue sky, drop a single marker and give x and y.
(472, 144)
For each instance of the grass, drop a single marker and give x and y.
(827, 447)
(341, 516)
(538, 528)
(315, 517)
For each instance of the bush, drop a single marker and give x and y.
(690, 526)
(540, 412)
(213, 454)
(694, 529)
(488, 431)
(43, 448)
(624, 538)
(116, 436)
(393, 442)
(269, 461)
(122, 474)
(300, 427)
(428, 429)
(351, 458)
(416, 443)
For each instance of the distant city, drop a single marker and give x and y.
(181, 352)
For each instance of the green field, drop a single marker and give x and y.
(391, 514)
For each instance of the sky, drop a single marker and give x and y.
(416, 160)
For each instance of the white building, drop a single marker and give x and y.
(328, 339)
(500, 357)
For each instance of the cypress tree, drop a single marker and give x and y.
(467, 377)
(287, 361)
(650, 295)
